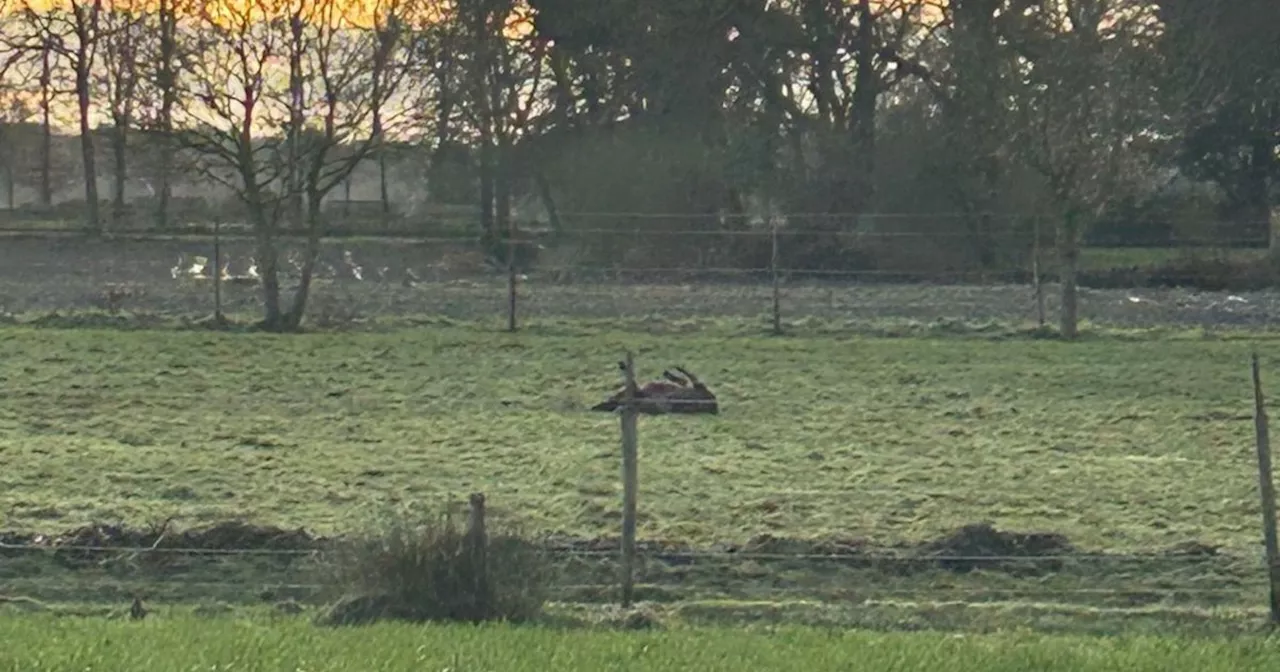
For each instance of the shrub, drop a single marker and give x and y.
(1217, 272)
(435, 571)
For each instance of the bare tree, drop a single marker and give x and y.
(31, 54)
(275, 137)
(15, 106)
(123, 33)
(354, 71)
(388, 29)
(167, 54)
(71, 34)
(1079, 110)
(501, 77)
(231, 123)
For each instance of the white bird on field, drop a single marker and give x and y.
(195, 270)
(350, 263)
(249, 278)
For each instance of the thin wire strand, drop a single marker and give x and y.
(852, 556)
(861, 592)
(1241, 244)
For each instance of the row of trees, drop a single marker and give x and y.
(1089, 112)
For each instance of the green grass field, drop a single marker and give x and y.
(45, 645)
(1122, 444)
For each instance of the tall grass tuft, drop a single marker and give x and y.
(435, 570)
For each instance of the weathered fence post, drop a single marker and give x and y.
(773, 268)
(477, 542)
(1267, 490)
(630, 479)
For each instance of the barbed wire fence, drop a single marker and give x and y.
(591, 571)
(784, 272)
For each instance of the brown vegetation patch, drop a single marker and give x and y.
(80, 545)
(983, 546)
(974, 546)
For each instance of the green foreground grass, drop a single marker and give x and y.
(1120, 445)
(39, 644)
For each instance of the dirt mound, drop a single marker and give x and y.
(1193, 549)
(983, 546)
(767, 544)
(88, 544)
(243, 536)
(607, 545)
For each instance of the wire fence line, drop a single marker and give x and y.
(968, 564)
(585, 577)
(393, 236)
(359, 281)
(339, 211)
(851, 555)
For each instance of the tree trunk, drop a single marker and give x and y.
(1069, 251)
(267, 257)
(298, 311)
(93, 219)
(268, 271)
(1262, 166)
(46, 128)
(296, 104)
(543, 188)
(168, 98)
(866, 94)
(8, 185)
(487, 232)
(119, 144)
(383, 192)
(502, 188)
(165, 193)
(1273, 226)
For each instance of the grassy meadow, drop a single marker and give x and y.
(1122, 444)
(44, 645)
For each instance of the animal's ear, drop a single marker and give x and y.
(692, 378)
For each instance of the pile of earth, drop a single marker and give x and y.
(82, 544)
(975, 546)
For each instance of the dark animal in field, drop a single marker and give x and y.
(676, 394)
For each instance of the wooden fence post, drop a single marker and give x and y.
(477, 542)
(773, 267)
(630, 480)
(1267, 490)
